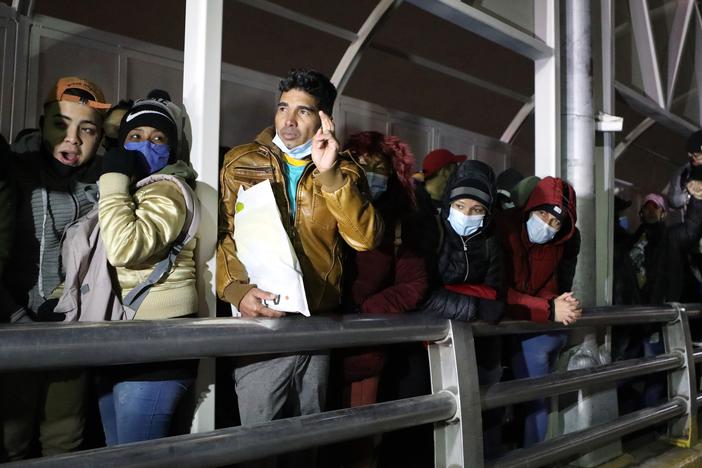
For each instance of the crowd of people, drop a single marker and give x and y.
(99, 208)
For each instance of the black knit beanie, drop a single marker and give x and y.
(555, 210)
(151, 113)
(474, 189)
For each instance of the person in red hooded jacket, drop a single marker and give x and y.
(541, 245)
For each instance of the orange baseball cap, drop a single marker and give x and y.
(75, 89)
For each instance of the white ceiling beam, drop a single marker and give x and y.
(681, 22)
(23, 7)
(517, 122)
(353, 53)
(648, 122)
(655, 13)
(300, 18)
(487, 26)
(452, 72)
(646, 50)
(630, 137)
(345, 34)
(649, 108)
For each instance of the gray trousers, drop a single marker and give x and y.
(270, 387)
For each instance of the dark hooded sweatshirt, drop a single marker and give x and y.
(468, 277)
(538, 273)
(668, 275)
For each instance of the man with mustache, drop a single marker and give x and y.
(322, 196)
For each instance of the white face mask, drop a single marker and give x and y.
(539, 231)
(378, 184)
(464, 225)
(297, 152)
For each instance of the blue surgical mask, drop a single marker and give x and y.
(624, 222)
(297, 152)
(155, 155)
(464, 225)
(378, 184)
(539, 231)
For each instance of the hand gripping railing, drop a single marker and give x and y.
(455, 405)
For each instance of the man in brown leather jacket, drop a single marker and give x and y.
(323, 199)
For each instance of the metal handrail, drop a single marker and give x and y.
(575, 443)
(46, 346)
(55, 345)
(592, 317)
(456, 397)
(519, 391)
(244, 443)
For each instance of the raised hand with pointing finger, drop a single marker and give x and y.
(325, 146)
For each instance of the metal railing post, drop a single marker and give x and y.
(682, 431)
(452, 364)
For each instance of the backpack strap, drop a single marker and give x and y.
(136, 296)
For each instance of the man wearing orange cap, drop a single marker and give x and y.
(53, 187)
(438, 167)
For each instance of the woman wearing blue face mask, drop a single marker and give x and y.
(542, 245)
(137, 227)
(468, 279)
(468, 276)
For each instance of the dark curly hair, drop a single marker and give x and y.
(396, 151)
(311, 82)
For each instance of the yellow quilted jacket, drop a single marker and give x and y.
(138, 229)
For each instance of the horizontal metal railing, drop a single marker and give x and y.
(243, 443)
(518, 391)
(48, 346)
(575, 443)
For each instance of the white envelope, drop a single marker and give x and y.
(264, 248)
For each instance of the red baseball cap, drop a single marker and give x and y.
(438, 159)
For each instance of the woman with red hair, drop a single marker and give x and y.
(393, 278)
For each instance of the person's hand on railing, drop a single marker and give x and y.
(251, 304)
(566, 309)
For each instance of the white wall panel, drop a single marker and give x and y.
(245, 111)
(144, 75)
(494, 157)
(356, 120)
(418, 137)
(457, 144)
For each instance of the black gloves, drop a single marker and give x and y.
(490, 310)
(121, 160)
(45, 312)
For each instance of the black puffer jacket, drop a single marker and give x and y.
(474, 260)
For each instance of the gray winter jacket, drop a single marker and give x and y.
(48, 197)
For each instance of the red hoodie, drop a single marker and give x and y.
(531, 269)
